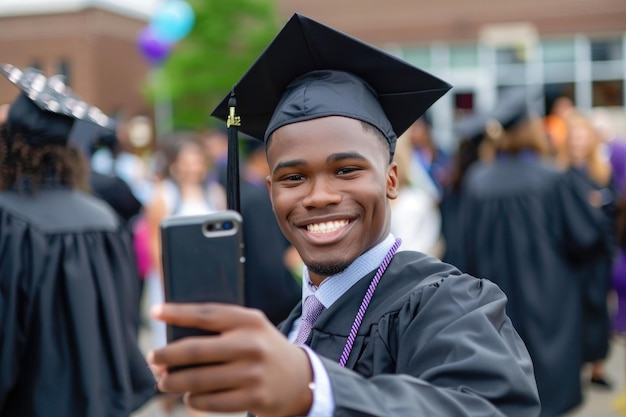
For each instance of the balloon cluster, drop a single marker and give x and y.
(172, 21)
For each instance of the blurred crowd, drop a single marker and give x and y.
(534, 202)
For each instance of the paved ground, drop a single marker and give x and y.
(598, 403)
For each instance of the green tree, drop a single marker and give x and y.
(227, 37)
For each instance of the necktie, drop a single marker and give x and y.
(311, 310)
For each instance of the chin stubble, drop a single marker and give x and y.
(328, 270)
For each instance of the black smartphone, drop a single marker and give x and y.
(203, 261)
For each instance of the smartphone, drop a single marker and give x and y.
(203, 261)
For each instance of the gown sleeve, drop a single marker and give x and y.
(582, 226)
(455, 353)
(15, 296)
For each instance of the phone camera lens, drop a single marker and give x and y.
(210, 227)
(227, 225)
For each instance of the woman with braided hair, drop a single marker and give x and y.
(68, 309)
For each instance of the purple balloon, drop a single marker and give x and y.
(153, 50)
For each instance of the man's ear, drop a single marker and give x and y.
(268, 182)
(392, 180)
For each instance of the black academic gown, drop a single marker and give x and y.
(433, 342)
(117, 193)
(594, 268)
(68, 309)
(523, 221)
(450, 208)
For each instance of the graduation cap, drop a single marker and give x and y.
(471, 127)
(515, 105)
(46, 109)
(310, 71)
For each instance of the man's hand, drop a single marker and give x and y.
(248, 366)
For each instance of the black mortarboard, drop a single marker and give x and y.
(45, 111)
(471, 127)
(310, 70)
(516, 104)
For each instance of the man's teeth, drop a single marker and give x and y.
(327, 227)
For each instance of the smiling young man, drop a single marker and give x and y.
(378, 333)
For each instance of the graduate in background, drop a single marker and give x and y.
(470, 131)
(523, 221)
(378, 333)
(415, 218)
(588, 167)
(68, 304)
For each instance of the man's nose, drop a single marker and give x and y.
(321, 194)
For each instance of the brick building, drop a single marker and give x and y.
(93, 45)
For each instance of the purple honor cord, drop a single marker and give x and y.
(366, 302)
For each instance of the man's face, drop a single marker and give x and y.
(330, 181)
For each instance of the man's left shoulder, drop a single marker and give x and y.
(418, 269)
(418, 275)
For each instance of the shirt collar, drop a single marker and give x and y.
(335, 286)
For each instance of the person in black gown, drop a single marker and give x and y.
(110, 187)
(469, 131)
(586, 165)
(397, 334)
(523, 222)
(68, 305)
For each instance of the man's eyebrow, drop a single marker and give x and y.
(289, 164)
(331, 158)
(344, 155)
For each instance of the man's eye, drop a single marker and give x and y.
(294, 177)
(347, 170)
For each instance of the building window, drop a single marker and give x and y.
(510, 55)
(464, 100)
(463, 104)
(608, 93)
(64, 69)
(561, 50)
(606, 49)
(511, 74)
(464, 56)
(418, 56)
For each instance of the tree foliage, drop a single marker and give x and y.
(227, 37)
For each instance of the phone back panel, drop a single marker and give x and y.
(202, 265)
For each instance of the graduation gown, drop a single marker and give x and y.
(522, 223)
(117, 193)
(68, 309)
(594, 269)
(433, 342)
(450, 207)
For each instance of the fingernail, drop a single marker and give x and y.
(156, 310)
